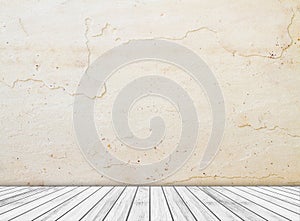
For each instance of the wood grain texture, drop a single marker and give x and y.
(139, 203)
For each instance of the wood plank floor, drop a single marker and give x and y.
(149, 203)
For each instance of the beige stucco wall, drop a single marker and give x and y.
(252, 47)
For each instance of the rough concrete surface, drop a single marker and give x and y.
(252, 47)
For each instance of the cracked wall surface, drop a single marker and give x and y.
(253, 48)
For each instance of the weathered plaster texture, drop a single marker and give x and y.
(253, 48)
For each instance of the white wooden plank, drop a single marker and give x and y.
(140, 206)
(25, 212)
(89, 210)
(60, 211)
(85, 205)
(33, 191)
(260, 201)
(11, 190)
(233, 206)
(76, 206)
(14, 193)
(282, 191)
(259, 209)
(46, 207)
(121, 208)
(104, 206)
(272, 199)
(278, 194)
(145, 203)
(293, 192)
(219, 210)
(11, 206)
(7, 189)
(56, 211)
(178, 208)
(297, 188)
(200, 210)
(26, 206)
(159, 207)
